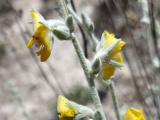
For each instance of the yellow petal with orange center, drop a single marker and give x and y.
(44, 38)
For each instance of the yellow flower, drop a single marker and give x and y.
(65, 111)
(134, 114)
(42, 37)
(116, 55)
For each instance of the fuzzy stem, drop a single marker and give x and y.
(86, 68)
(89, 76)
(64, 7)
(82, 60)
(115, 101)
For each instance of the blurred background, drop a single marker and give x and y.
(29, 88)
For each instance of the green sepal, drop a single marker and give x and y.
(62, 32)
(70, 23)
(96, 64)
(87, 22)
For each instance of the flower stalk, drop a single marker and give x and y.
(64, 7)
(107, 58)
(115, 100)
(89, 76)
(86, 67)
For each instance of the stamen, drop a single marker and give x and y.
(37, 41)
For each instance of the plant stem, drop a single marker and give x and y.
(64, 7)
(86, 68)
(89, 76)
(85, 41)
(82, 59)
(115, 101)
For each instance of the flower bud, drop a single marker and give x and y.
(88, 23)
(96, 66)
(62, 32)
(97, 115)
(70, 23)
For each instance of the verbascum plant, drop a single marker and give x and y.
(108, 57)
(134, 114)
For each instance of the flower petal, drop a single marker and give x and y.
(30, 43)
(134, 114)
(37, 18)
(44, 54)
(42, 33)
(44, 38)
(118, 57)
(107, 71)
(48, 40)
(110, 40)
(64, 110)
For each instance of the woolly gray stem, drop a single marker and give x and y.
(86, 68)
(115, 101)
(64, 7)
(89, 76)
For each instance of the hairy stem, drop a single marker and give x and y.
(64, 7)
(86, 68)
(115, 101)
(89, 76)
